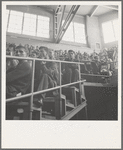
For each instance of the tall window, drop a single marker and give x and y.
(110, 31)
(69, 35)
(29, 26)
(7, 15)
(43, 27)
(15, 21)
(79, 30)
(75, 33)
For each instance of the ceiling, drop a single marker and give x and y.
(83, 10)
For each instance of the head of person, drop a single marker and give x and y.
(71, 54)
(21, 51)
(43, 52)
(96, 58)
(51, 54)
(52, 65)
(34, 54)
(10, 50)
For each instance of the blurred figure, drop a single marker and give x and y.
(18, 79)
(71, 72)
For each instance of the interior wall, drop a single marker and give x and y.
(32, 40)
(104, 18)
(34, 10)
(54, 46)
(93, 32)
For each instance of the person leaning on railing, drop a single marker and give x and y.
(45, 76)
(18, 77)
(70, 70)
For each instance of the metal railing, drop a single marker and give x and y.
(32, 93)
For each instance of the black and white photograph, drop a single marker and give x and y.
(61, 64)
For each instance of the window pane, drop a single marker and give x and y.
(116, 29)
(7, 14)
(108, 33)
(29, 26)
(79, 30)
(15, 22)
(68, 36)
(43, 26)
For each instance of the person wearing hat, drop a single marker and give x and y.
(18, 78)
(71, 72)
(45, 74)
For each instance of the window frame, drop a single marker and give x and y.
(74, 42)
(113, 30)
(26, 35)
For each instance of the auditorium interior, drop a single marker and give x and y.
(62, 62)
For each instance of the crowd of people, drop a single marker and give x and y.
(19, 72)
(35, 52)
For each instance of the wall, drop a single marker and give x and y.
(104, 18)
(34, 10)
(54, 46)
(92, 27)
(93, 31)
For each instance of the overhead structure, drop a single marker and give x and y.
(94, 10)
(59, 32)
(110, 7)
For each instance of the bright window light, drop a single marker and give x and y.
(29, 26)
(43, 26)
(79, 30)
(7, 15)
(116, 29)
(68, 36)
(75, 33)
(110, 31)
(15, 22)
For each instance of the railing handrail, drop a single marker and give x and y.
(54, 60)
(42, 91)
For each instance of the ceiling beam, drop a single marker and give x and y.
(58, 9)
(94, 10)
(46, 8)
(61, 18)
(110, 7)
(68, 20)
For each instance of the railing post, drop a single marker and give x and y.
(58, 101)
(32, 89)
(80, 86)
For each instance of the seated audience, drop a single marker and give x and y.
(18, 78)
(46, 75)
(71, 72)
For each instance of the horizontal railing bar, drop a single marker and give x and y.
(51, 89)
(43, 91)
(27, 58)
(74, 111)
(38, 59)
(94, 75)
(18, 97)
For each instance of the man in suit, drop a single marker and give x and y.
(18, 78)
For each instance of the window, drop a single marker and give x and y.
(75, 33)
(69, 36)
(43, 27)
(79, 30)
(110, 31)
(15, 21)
(29, 26)
(7, 15)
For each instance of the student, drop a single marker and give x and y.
(18, 79)
(46, 75)
(71, 72)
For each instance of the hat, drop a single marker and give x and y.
(71, 51)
